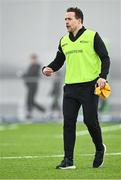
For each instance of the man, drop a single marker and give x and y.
(31, 78)
(87, 64)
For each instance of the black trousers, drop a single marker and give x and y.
(30, 102)
(75, 96)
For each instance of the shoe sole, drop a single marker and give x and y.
(104, 155)
(69, 167)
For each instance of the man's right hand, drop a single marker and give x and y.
(47, 71)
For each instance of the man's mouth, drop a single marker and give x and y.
(67, 26)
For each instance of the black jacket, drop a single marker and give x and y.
(32, 75)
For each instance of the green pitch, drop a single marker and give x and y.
(32, 151)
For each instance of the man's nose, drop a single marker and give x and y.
(67, 22)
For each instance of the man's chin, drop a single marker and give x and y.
(68, 30)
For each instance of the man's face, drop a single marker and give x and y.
(33, 61)
(72, 23)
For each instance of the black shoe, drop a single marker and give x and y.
(99, 158)
(66, 164)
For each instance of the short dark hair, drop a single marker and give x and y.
(77, 11)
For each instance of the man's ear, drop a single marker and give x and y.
(80, 21)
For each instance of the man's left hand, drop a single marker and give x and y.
(101, 82)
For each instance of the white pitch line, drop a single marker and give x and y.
(104, 129)
(51, 156)
(30, 157)
(8, 127)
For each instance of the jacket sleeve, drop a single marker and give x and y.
(59, 60)
(101, 50)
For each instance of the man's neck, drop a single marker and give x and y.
(77, 30)
(79, 33)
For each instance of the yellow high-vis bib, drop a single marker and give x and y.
(82, 62)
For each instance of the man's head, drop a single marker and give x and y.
(73, 19)
(33, 58)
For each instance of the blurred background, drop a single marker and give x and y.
(34, 27)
